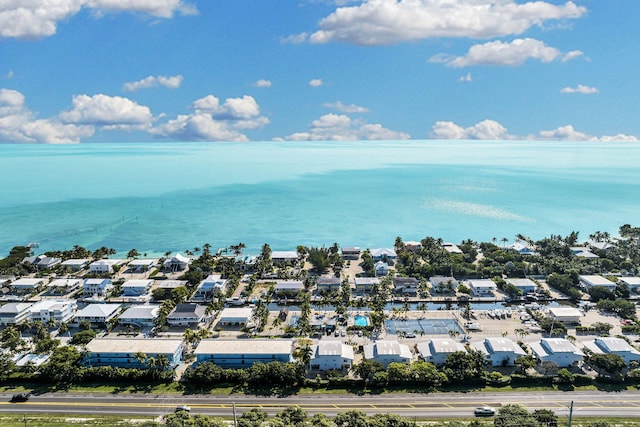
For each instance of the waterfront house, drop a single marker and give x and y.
(97, 314)
(235, 316)
(407, 286)
(589, 281)
(187, 315)
(566, 315)
(388, 351)
(522, 247)
(136, 288)
(499, 351)
(443, 284)
(14, 313)
(96, 287)
(140, 265)
(601, 246)
(383, 254)
(526, 286)
(42, 262)
(212, 285)
(26, 285)
(289, 288)
(329, 354)
(437, 350)
(452, 248)
(482, 287)
(365, 284)
(583, 252)
(178, 262)
(140, 315)
(412, 245)
(350, 253)
(327, 284)
(614, 345)
(382, 268)
(76, 264)
(63, 286)
(104, 266)
(60, 310)
(284, 257)
(557, 350)
(242, 353)
(126, 352)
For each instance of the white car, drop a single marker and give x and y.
(486, 411)
(183, 408)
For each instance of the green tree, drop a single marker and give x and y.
(353, 418)
(83, 337)
(319, 258)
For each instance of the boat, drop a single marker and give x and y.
(473, 326)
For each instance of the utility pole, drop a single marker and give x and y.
(235, 420)
(570, 413)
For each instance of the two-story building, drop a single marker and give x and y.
(241, 353)
(133, 353)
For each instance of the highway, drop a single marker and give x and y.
(450, 405)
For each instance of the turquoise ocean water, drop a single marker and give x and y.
(157, 197)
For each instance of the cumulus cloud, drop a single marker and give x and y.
(466, 78)
(109, 112)
(212, 120)
(172, 82)
(37, 18)
(316, 82)
(587, 90)
(19, 124)
(351, 108)
(380, 22)
(262, 83)
(340, 127)
(500, 53)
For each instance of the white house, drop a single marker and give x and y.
(589, 281)
(405, 286)
(178, 262)
(26, 285)
(60, 310)
(436, 350)
(327, 284)
(388, 351)
(214, 284)
(98, 287)
(235, 316)
(135, 288)
(187, 315)
(104, 266)
(633, 283)
(614, 345)
(482, 287)
(331, 355)
(242, 353)
(499, 351)
(76, 264)
(443, 283)
(350, 253)
(140, 315)
(289, 287)
(452, 248)
(583, 252)
(521, 247)
(14, 313)
(141, 265)
(124, 352)
(525, 286)
(557, 350)
(382, 268)
(97, 313)
(284, 257)
(383, 253)
(365, 284)
(64, 286)
(568, 315)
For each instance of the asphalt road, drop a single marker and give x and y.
(450, 405)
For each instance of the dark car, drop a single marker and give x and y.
(20, 397)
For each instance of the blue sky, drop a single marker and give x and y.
(251, 70)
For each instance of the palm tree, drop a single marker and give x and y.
(504, 240)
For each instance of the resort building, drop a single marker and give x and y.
(526, 286)
(96, 287)
(140, 315)
(76, 264)
(499, 351)
(214, 284)
(436, 350)
(331, 355)
(104, 266)
(136, 288)
(327, 284)
(126, 353)
(388, 351)
(589, 281)
(241, 353)
(382, 254)
(407, 286)
(26, 285)
(365, 284)
(614, 345)
(235, 316)
(14, 313)
(443, 284)
(350, 253)
(284, 257)
(187, 315)
(557, 350)
(97, 313)
(60, 310)
(567, 315)
(177, 262)
(482, 287)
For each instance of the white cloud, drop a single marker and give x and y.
(109, 112)
(587, 90)
(18, 123)
(316, 82)
(466, 78)
(340, 127)
(486, 130)
(214, 121)
(351, 108)
(379, 22)
(38, 18)
(619, 138)
(501, 53)
(172, 82)
(262, 83)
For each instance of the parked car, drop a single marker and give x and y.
(484, 411)
(20, 397)
(183, 408)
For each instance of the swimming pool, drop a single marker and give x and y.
(360, 320)
(426, 326)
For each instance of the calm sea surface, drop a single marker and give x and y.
(175, 196)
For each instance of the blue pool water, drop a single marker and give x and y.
(360, 320)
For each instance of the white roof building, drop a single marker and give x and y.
(135, 288)
(177, 262)
(524, 285)
(590, 281)
(76, 264)
(97, 313)
(436, 350)
(284, 256)
(289, 286)
(97, 287)
(60, 310)
(103, 266)
(331, 355)
(26, 284)
(14, 313)
(388, 351)
(452, 248)
(499, 351)
(633, 283)
(123, 352)
(557, 350)
(214, 284)
(614, 345)
(568, 315)
(140, 315)
(482, 287)
(236, 316)
(242, 353)
(380, 253)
